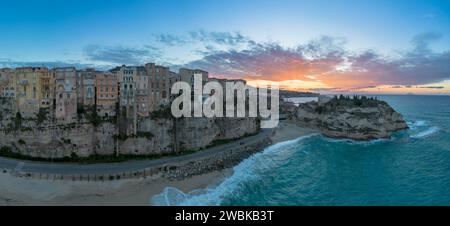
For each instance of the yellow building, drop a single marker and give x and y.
(34, 89)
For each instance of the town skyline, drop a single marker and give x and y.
(320, 46)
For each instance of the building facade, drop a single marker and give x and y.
(173, 78)
(187, 75)
(66, 94)
(126, 76)
(33, 89)
(106, 97)
(7, 83)
(159, 86)
(86, 87)
(142, 91)
(47, 89)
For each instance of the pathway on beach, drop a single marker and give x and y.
(116, 168)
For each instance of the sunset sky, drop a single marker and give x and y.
(391, 46)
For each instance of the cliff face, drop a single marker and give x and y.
(176, 135)
(357, 119)
(45, 138)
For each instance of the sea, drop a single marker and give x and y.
(411, 168)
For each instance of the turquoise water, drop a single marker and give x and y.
(412, 168)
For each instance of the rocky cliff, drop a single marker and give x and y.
(357, 118)
(42, 137)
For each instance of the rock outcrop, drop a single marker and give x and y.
(357, 118)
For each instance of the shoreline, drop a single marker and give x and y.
(125, 192)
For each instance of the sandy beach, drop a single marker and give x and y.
(289, 131)
(25, 191)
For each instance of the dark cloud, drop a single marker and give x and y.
(120, 54)
(422, 42)
(431, 87)
(323, 57)
(223, 38)
(272, 61)
(170, 40)
(207, 38)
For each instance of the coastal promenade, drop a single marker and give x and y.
(21, 166)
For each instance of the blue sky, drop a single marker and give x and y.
(183, 32)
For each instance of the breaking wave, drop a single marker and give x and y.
(425, 133)
(414, 125)
(354, 142)
(246, 171)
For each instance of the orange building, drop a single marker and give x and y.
(106, 93)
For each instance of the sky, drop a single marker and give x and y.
(382, 46)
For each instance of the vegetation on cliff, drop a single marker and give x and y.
(357, 117)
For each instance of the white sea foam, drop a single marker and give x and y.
(271, 157)
(354, 142)
(416, 124)
(430, 131)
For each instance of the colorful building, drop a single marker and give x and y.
(33, 89)
(142, 92)
(106, 97)
(159, 88)
(86, 87)
(66, 94)
(127, 77)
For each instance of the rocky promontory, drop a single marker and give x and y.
(356, 118)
